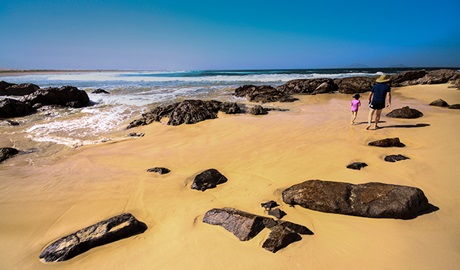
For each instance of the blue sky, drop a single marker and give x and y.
(202, 34)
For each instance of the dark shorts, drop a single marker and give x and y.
(377, 105)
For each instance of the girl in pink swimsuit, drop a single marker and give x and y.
(355, 103)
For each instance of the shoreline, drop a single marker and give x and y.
(260, 155)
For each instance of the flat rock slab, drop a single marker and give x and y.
(394, 158)
(374, 200)
(388, 142)
(246, 226)
(104, 232)
(208, 179)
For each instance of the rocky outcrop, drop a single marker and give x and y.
(352, 85)
(439, 103)
(437, 76)
(388, 142)
(208, 179)
(7, 152)
(104, 232)
(186, 112)
(455, 80)
(405, 112)
(309, 86)
(356, 165)
(68, 96)
(100, 91)
(409, 77)
(264, 93)
(258, 110)
(14, 108)
(246, 226)
(11, 89)
(373, 200)
(394, 158)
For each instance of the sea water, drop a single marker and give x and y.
(131, 94)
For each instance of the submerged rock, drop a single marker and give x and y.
(104, 232)
(100, 91)
(374, 200)
(7, 152)
(208, 179)
(405, 112)
(388, 142)
(439, 103)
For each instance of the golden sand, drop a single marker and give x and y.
(260, 156)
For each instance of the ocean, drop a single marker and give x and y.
(131, 94)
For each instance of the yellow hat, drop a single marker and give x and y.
(382, 79)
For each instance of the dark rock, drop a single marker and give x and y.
(12, 123)
(136, 134)
(186, 112)
(14, 108)
(19, 89)
(455, 80)
(279, 238)
(68, 96)
(100, 91)
(269, 205)
(309, 86)
(278, 213)
(7, 152)
(455, 106)
(407, 77)
(3, 86)
(243, 225)
(439, 103)
(104, 232)
(264, 93)
(159, 170)
(374, 200)
(437, 76)
(352, 85)
(394, 158)
(357, 165)
(258, 110)
(388, 142)
(300, 229)
(405, 112)
(208, 179)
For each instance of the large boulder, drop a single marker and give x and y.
(388, 142)
(309, 86)
(14, 108)
(439, 103)
(7, 152)
(409, 77)
(68, 96)
(104, 232)
(208, 179)
(352, 85)
(373, 200)
(186, 112)
(264, 93)
(437, 76)
(405, 112)
(10, 89)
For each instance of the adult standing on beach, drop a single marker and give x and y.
(377, 98)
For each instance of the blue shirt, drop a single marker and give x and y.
(380, 91)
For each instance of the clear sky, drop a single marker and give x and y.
(237, 34)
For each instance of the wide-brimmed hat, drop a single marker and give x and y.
(383, 78)
(357, 96)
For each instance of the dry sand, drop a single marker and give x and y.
(260, 155)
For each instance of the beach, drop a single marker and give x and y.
(261, 156)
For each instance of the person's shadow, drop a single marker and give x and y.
(405, 126)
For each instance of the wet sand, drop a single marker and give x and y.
(260, 156)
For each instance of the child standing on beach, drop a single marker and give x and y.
(355, 103)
